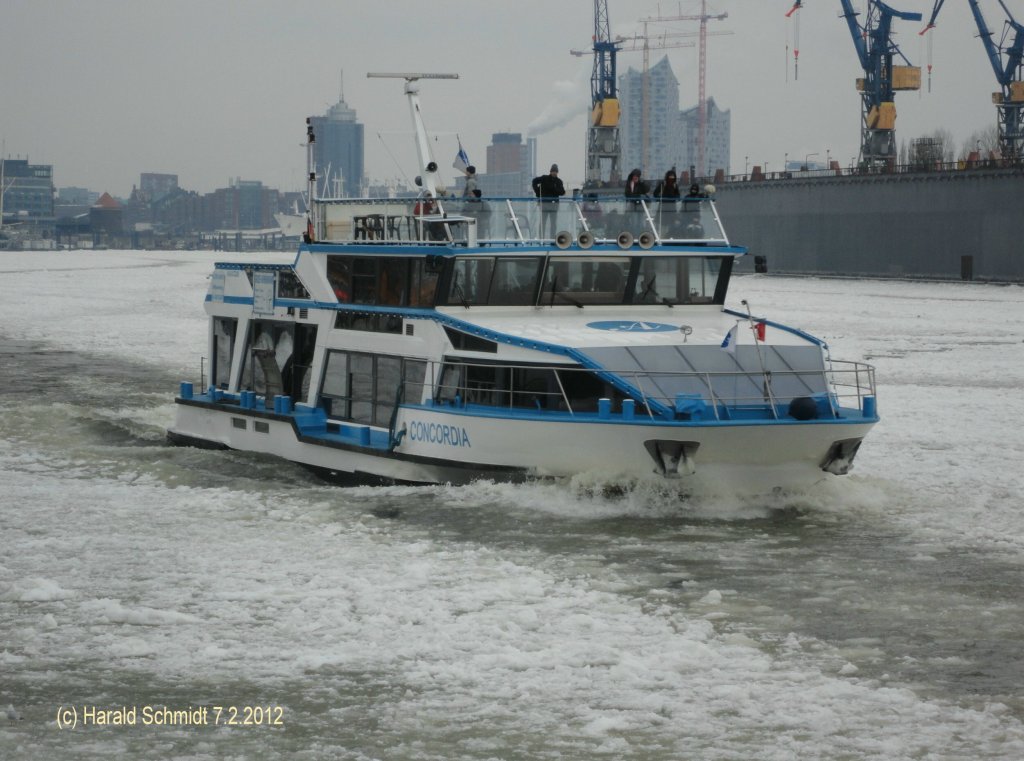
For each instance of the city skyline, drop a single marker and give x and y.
(104, 92)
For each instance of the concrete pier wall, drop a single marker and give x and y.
(885, 225)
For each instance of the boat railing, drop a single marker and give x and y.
(518, 221)
(841, 387)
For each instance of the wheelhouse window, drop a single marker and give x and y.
(677, 280)
(470, 282)
(384, 281)
(515, 280)
(499, 281)
(423, 277)
(590, 280)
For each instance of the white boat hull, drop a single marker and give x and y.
(443, 446)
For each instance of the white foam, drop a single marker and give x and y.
(279, 583)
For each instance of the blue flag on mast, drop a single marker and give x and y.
(729, 343)
(461, 159)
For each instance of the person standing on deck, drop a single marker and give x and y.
(471, 183)
(548, 188)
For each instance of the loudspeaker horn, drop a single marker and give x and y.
(625, 239)
(563, 239)
(585, 239)
(646, 240)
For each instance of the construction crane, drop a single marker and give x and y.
(603, 146)
(882, 78)
(702, 106)
(1006, 63)
(796, 38)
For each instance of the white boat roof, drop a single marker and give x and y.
(596, 327)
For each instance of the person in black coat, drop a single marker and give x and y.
(667, 192)
(548, 187)
(668, 189)
(635, 185)
(636, 189)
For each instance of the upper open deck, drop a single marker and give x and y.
(583, 221)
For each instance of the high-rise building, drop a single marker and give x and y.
(27, 191)
(511, 165)
(338, 151)
(672, 135)
(155, 186)
(717, 140)
(244, 205)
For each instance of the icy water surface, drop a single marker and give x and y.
(876, 616)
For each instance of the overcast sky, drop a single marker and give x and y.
(217, 89)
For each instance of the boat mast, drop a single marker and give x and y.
(3, 187)
(428, 167)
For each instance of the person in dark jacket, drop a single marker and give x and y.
(667, 192)
(636, 189)
(548, 188)
(635, 185)
(668, 189)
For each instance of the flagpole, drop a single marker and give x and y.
(768, 395)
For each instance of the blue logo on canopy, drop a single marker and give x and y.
(632, 326)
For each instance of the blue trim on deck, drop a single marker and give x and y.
(311, 425)
(739, 417)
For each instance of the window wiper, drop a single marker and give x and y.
(570, 299)
(649, 289)
(457, 289)
(567, 297)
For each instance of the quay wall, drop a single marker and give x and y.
(909, 225)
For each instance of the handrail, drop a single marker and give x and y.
(853, 381)
(960, 166)
(382, 221)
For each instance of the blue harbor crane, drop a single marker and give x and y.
(1005, 58)
(604, 150)
(882, 78)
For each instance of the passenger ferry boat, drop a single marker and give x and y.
(418, 342)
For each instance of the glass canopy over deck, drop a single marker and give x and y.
(519, 221)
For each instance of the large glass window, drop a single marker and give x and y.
(289, 286)
(546, 389)
(223, 350)
(386, 383)
(335, 396)
(515, 280)
(361, 383)
(415, 380)
(470, 281)
(364, 281)
(269, 349)
(394, 282)
(278, 358)
(385, 281)
(364, 388)
(575, 280)
(677, 280)
(423, 281)
(339, 274)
